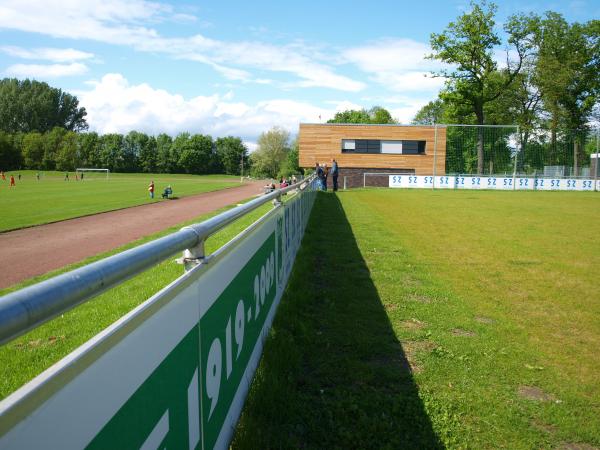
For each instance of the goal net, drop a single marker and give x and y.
(86, 173)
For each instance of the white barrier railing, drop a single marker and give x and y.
(175, 371)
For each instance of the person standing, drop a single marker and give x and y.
(66, 176)
(334, 174)
(12, 181)
(320, 175)
(151, 189)
(325, 174)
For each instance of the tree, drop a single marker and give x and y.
(111, 152)
(231, 151)
(33, 150)
(67, 157)
(376, 114)
(291, 165)
(468, 45)
(272, 150)
(52, 143)
(195, 152)
(164, 163)
(430, 114)
(10, 155)
(30, 105)
(89, 150)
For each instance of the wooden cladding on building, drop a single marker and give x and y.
(322, 142)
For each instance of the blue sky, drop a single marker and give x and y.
(235, 68)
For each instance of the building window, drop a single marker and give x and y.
(378, 146)
(348, 145)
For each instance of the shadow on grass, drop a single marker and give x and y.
(333, 374)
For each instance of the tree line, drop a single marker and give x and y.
(61, 149)
(550, 78)
(43, 128)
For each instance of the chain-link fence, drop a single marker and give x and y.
(499, 157)
(509, 150)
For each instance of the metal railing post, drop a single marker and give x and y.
(597, 162)
(517, 151)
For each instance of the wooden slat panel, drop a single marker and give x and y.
(321, 143)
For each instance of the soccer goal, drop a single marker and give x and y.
(95, 173)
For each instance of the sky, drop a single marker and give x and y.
(236, 68)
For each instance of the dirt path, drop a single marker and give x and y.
(34, 251)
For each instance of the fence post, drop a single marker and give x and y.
(344, 182)
(517, 151)
(434, 154)
(597, 162)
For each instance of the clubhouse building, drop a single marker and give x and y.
(363, 149)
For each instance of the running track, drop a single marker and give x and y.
(37, 250)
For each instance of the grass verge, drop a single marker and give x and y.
(417, 319)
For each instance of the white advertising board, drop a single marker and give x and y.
(490, 182)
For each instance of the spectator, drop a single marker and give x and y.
(334, 173)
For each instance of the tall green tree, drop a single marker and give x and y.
(67, 156)
(291, 165)
(90, 150)
(468, 45)
(232, 154)
(196, 153)
(272, 150)
(164, 163)
(568, 73)
(10, 155)
(30, 105)
(111, 152)
(33, 150)
(52, 142)
(430, 114)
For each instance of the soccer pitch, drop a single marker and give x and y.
(432, 319)
(51, 198)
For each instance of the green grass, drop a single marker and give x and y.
(418, 319)
(29, 355)
(33, 202)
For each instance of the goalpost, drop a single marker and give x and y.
(81, 171)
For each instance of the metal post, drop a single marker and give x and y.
(434, 155)
(344, 182)
(193, 256)
(242, 177)
(597, 162)
(516, 156)
(364, 179)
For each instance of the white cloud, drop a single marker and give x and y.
(57, 55)
(41, 71)
(121, 22)
(115, 105)
(398, 64)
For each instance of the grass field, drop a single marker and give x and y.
(33, 202)
(431, 319)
